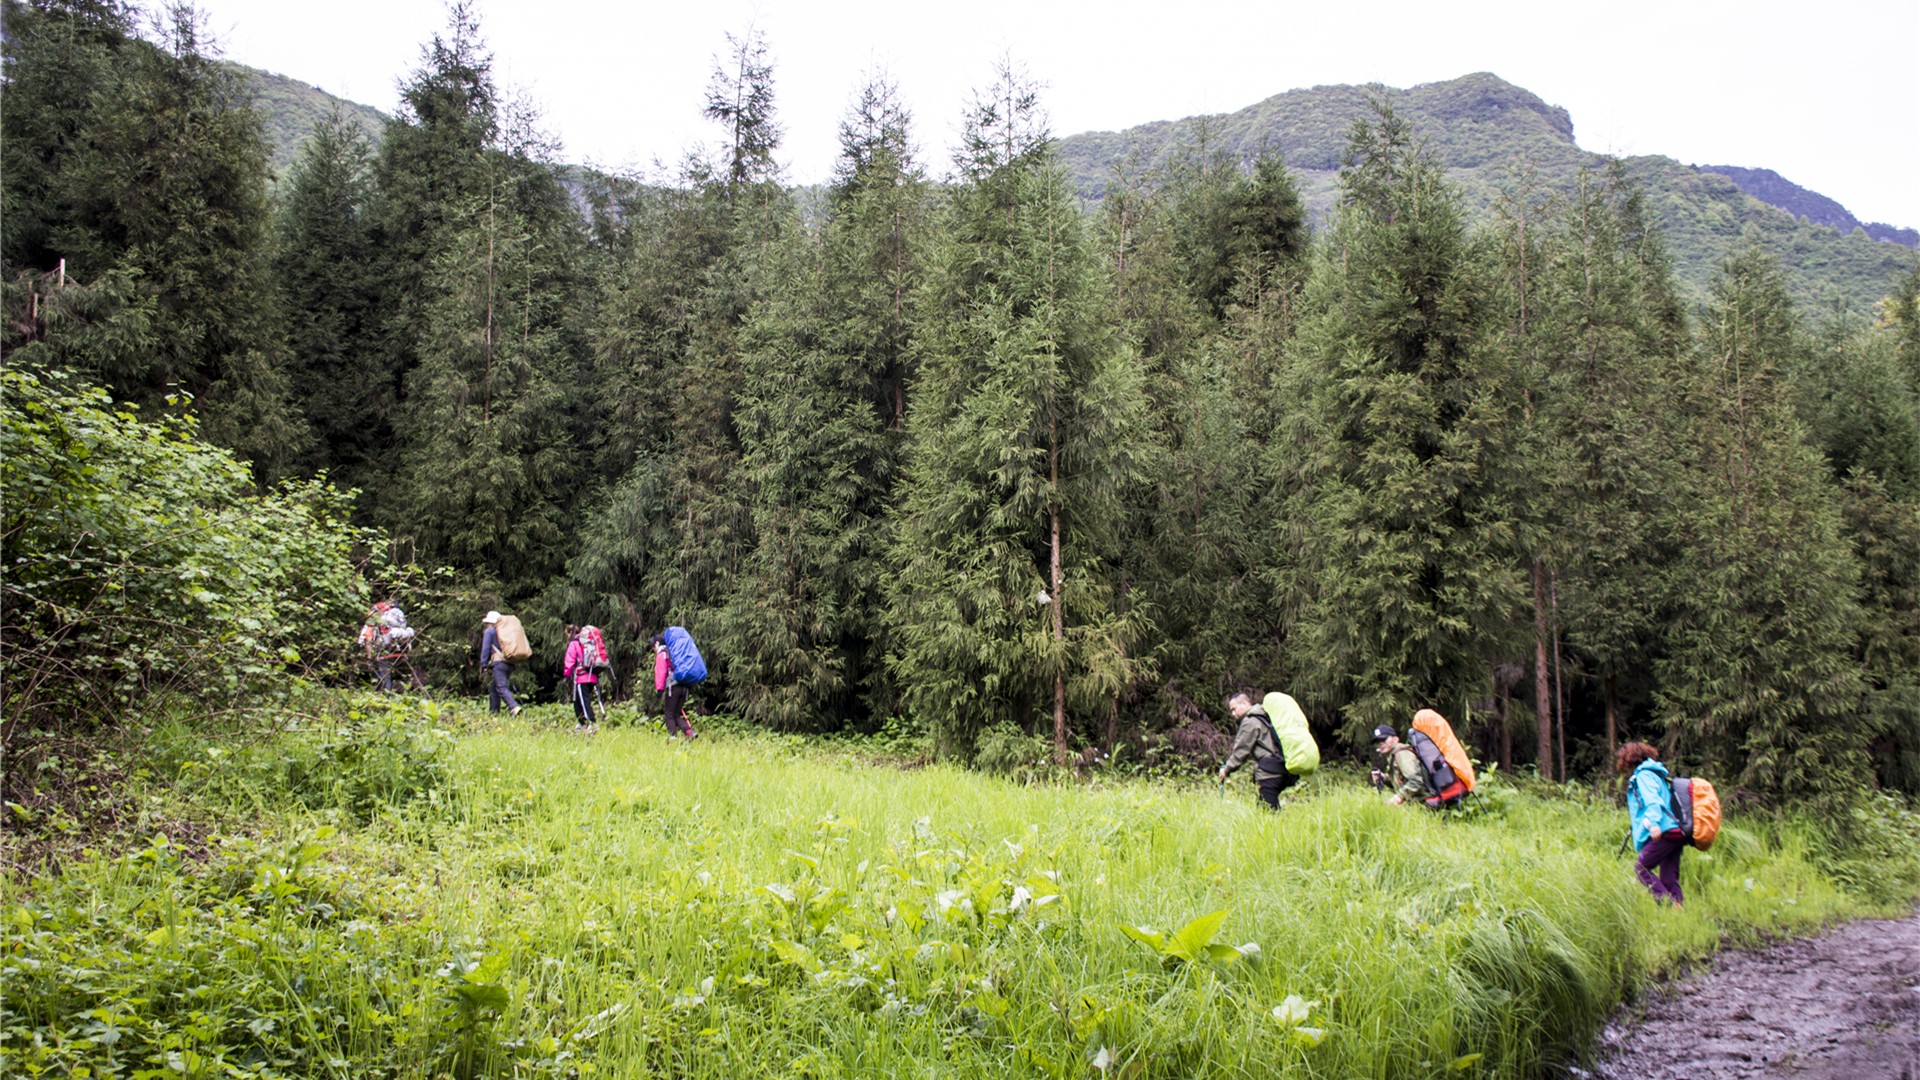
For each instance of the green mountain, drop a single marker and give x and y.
(1483, 129)
(290, 109)
(1480, 126)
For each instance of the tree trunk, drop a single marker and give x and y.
(1059, 613)
(1613, 729)
(1559, 686)
(1542, 699)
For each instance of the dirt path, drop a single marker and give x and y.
(1843, 1006)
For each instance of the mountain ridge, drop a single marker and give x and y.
(1482, 128)
(1479, 126)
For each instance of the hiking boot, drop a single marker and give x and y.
(514, 712)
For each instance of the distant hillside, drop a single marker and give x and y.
(1776, 190)
(291, 108)
(1481, 127)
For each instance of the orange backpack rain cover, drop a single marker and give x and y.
(1435, 727)
(1706, 813)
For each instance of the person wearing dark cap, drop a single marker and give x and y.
(1402, 764)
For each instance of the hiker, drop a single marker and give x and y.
(1402, 763)
(386, 637)
(1656, 829)
(674, 705)
(491, 661)
(579, 673)
(1256, 739)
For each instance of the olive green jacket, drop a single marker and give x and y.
(1254, 740)
(1413, 778)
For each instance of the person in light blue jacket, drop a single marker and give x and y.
(1656, 830)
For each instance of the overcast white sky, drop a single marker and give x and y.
(1823, 93)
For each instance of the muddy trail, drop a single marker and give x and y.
(1842, 1006)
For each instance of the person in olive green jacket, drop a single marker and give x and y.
(1256, 739)
(1407, 770)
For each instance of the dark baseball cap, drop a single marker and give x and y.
(1384, 732)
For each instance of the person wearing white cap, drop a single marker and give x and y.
(491, 660)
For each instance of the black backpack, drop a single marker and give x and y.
(1440, 774)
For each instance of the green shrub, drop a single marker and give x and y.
(369, 754)
(142, 559)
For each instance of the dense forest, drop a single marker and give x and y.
(949, 447)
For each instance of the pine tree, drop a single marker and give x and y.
(1760, 684)
(689, 265)
(1206, 259)
(1860, 397)
(431, 169)
(490, 345)
(1390, 475)
(323, 268)
(147, 162)
(740, 97)
(822, 391)
(1589, 328)
(1024, 437)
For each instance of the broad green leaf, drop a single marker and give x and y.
(1192, 939)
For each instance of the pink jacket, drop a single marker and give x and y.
(575, 669)
(661, 666)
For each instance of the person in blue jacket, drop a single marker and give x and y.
(1656, 829)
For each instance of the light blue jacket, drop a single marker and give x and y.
(1650, 802)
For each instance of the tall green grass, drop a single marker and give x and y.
(628, 906)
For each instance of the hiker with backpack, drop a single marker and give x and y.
(1445, 772)
(1402, 764)
(1256, 739)
(677, 664)
(386, 638)
(495, 662)
(1657, 832)
(586, 653)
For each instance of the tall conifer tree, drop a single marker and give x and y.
(1405, 544)
(819, 413)
(1024, 437)
(323, 267)
(1760, 684)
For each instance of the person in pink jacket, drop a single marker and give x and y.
(674, 707)
(578, 672)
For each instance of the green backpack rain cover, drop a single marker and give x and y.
(1296, 742)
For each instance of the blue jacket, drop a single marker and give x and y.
(489, 641)
(1650, 802)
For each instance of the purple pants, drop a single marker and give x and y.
(1662, 856)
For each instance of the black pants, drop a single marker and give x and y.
(583, 704)
(1272, 786)
(676, 711)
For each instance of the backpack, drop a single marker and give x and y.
(688, 668)
(1440, 733)
(1441, 779)
(1289, 726)
(513, 640)
(593, 649)
(1697, 806)
(390, 615)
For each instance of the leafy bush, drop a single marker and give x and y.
(140, 558)
(380, 752)
(1005, 750)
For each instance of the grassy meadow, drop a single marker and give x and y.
(414, 892)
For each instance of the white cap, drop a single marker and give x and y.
(492, 617)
